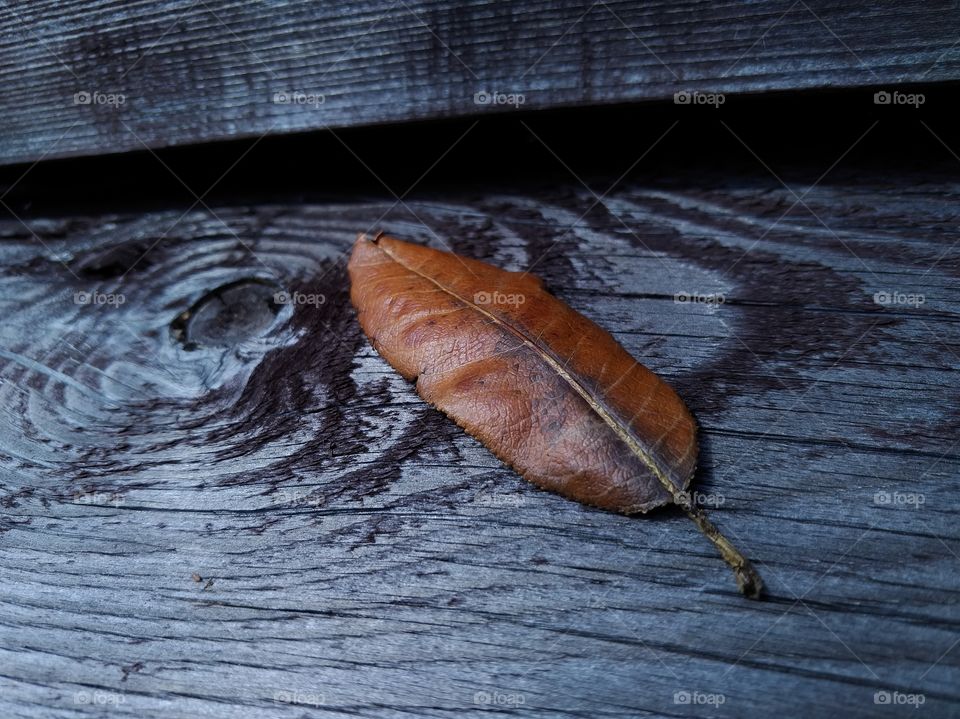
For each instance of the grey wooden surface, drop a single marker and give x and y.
(279, 527)
(189, 71)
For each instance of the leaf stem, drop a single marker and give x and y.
(748, 579)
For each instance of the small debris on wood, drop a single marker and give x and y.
(132, 669)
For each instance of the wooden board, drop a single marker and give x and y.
(180, 72)
(278, 526)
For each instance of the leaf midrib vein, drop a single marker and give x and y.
(595, 404)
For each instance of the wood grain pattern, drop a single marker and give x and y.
(274, 515)
(190, 72)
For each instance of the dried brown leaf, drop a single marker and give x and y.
(547, 390)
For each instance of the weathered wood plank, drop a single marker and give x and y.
(190, 72)
(356, 550)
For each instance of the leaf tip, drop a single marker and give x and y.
(364, 237)
(749, 582)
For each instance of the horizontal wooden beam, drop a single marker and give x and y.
(111, 76)
(271, 521)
